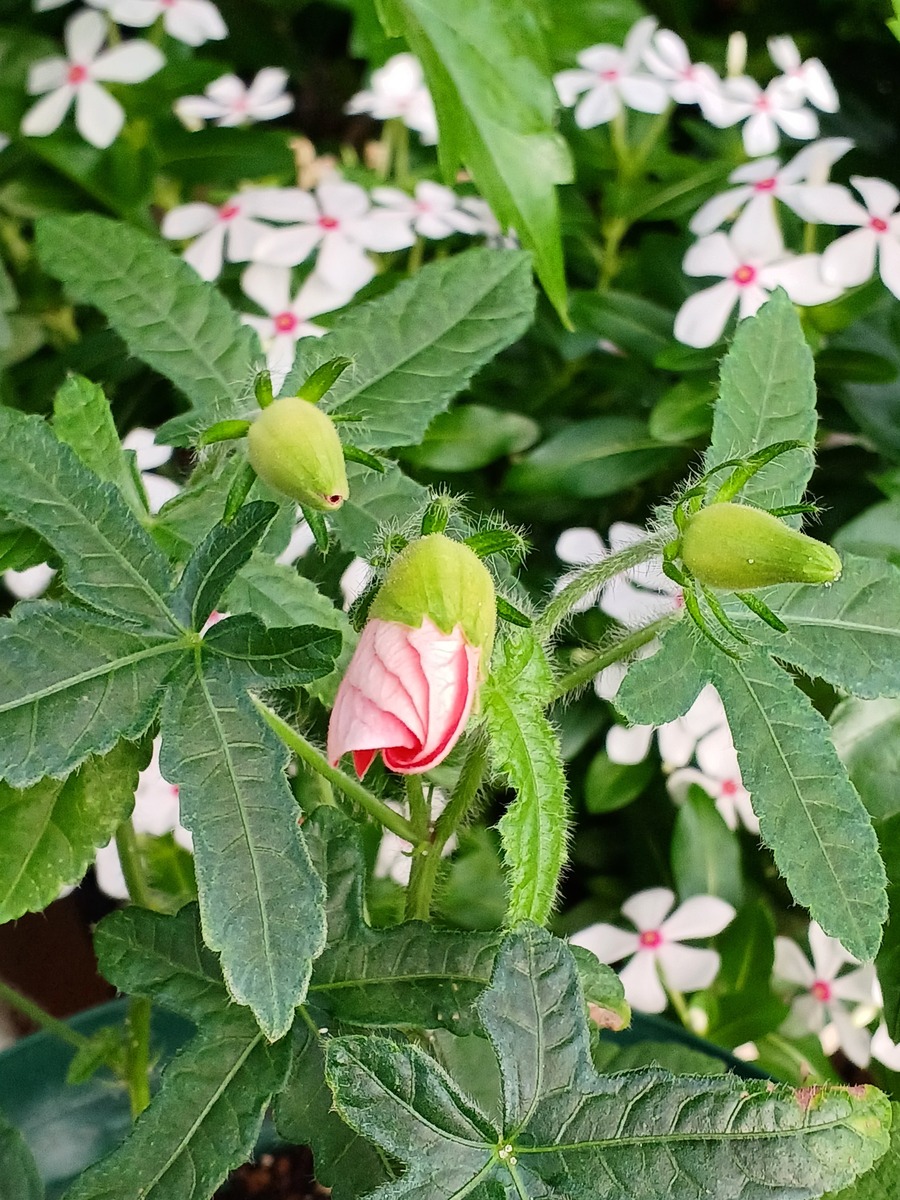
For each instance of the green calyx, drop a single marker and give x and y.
(444, 580)
(295, 449)
(734, 547)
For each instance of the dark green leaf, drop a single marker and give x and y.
(53, 829)
(487, 69)
(661, 688)
(297, 654)
(470, 437)
(684, 412)
(110, 562)
(167, 316)
(888, 961)
(566, 1131)
(809, 812)
(609, 786)
(204, 1121)
(83, 420)
(216, 561)
(767, 395)
(633, 324)
(590, 459)
(260, 899)
(866, 735)
(525, 747)
(72, 683)
(19, 1177)
(706, 855)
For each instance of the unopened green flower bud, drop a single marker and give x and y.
(443, 580)
(735, 547)
(295, 449)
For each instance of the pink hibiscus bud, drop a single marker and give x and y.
(414, 676)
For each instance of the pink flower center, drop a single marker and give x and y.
(765, 185)
(422, 206)
(762, 103)
(744, 275)
(650, 939)
(821, 990)
(285, 322)
(228, 211)
(878, 224)
(168, 3)
(609, 76)
(689, 73)
(77, 74)
(729, 788)
(328, 222)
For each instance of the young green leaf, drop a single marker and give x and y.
(19, 1176)
(144, 953)
(661, 688)
(297, 654)
(534, 830)
(83, 420)
(810, 814)
(109, 561)
(72, 683)
(260, 899)
(167, 316)
(204, 1121)
(488, 70)
(305, 1115)
(53, 829)
(768, 395)
(565, 1130)
(408, 975)
(216, 561)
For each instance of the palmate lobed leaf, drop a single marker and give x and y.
(570, 1133)
(53, 829)
(524, 746)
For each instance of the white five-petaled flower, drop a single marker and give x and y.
(34, 581)
(800, 184)
(766, 112)
(229, 101)
(718, 773)
(190, 21)
(668, 58)
(398, 90)
(850, 260)
(808, 79)
(156, 812)
(608, 77)
(655, 950)
(287, 318)
(340, 220)
(77, 77)
(231, 230)
(751, 261)
(677, 740)
(433, 211)
(825, 992)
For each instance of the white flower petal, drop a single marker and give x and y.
(132, 62)
(784, 53)
(147, 453)
(344, 201)
(643, 990)
(800, 123)
(98, 116)
(792, 965)
(698, 917)
(84, 34)
(343, 265)
(801, 277)
(850, 260)
(824, 204)
(267, 85)
(136, 14)
(571, 83)
(580, 546)
(629, 745)
(702, 318)
(189, 220)
(856, 1043)
(756, 235)
(687, 968)
(886, 1051)
(889, 264)
(813, 163)
(45, 116)
(108, 872)
(288, 247)
(280, 204)
(227, 90)
(607, 942)
(712, 255)
(648, 909)
(206, 252)
(47, 74)
(856, 986)
(30, 583)
(644, 93)
(819, 87)
(194, 22)
(159, 489)
(381, 231)
(881, 197)
(828, 954)
(760, 135)
(597, 107)
(718, 209)
(269, 287)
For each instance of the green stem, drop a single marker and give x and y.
(137, 1051)
(132, 862)
(618, 136)
(595, 576)
(680, 1005)
(398, 143)
(419, 808)
(351, 788)
(614, 231)
(416, 256)
(40, 1017)
(644, 148)
(586, 671)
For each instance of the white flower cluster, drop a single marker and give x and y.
(836, 1004)
(635, 597)
(653, 69)
(76, 78)
(397, 91)
(657, 958)
(275, 229)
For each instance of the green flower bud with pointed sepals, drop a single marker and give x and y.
(444, 580)
(295, 449)
(735, 547)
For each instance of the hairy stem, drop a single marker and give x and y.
(137, 1052)
(132, 861)
(350, 787)
(40, 1017)
(586, 671)
(594, 577)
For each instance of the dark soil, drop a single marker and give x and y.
(285, 1175)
